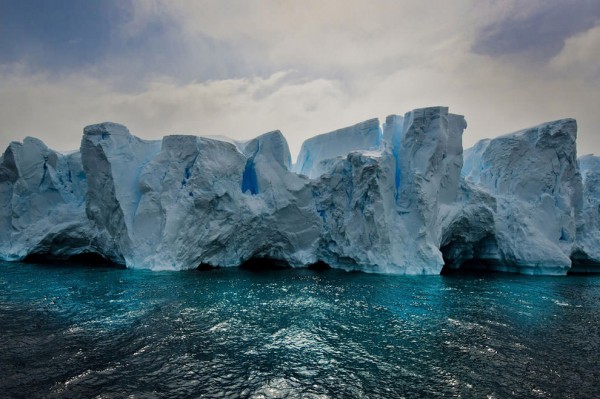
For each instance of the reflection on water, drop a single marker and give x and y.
(83, 332)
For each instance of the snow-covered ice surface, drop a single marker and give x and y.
(391, 198)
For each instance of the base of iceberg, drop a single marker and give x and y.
(400, 197)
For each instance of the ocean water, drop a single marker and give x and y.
(82, 332)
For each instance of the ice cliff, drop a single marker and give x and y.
(586, 253)
(395, 198)
(535, 187)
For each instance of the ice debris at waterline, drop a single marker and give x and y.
(396, 198)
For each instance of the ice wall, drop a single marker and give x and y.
(401, 199)
(586, 254)
(534, 178)
(326, 147)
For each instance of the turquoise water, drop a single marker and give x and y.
(99, 332)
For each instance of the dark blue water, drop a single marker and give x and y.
(83, 332)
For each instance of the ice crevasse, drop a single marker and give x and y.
(398, 197)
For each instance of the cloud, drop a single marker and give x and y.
(57, 110)
(42, 33)
(243, 68)
(580, 55)
(332, 38)
(536, 29)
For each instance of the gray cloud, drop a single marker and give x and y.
(539, 33)
(243, 68)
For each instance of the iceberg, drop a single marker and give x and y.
(535, 182)
(324, 147)
(586, 254)
(43, 202)
(398, 197)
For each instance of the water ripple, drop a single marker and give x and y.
(69, 332)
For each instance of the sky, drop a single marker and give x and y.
(242, 68)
